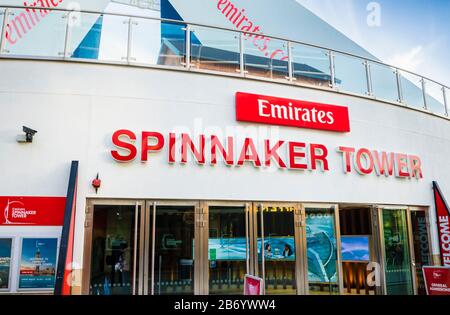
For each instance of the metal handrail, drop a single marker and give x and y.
(331, 51)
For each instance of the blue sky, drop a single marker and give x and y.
(413, 34)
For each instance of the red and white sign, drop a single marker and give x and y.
(23, 211)
(437, 280)
(287, 112)
(253, 285)
(443, 222)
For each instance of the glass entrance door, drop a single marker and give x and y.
(396, 252)
(115, 248)
(420, 244)
(277, 247)
(227, 248)
(172, 250)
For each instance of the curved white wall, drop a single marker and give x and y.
(76, 107)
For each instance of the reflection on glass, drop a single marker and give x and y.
(114, 38)
(422, 254)
(24, 37)
(384, 82)
(311, 65)
(145, 41)
(112, 258)
(435, 97)
(5, 262)
(227, 250)
(218, 50)
(412, 90)
(173, 44)
(397, 259)
(350, 74)
(85, 33)
(265, 57)
(321, 251)
(278, 248)
(174, 250)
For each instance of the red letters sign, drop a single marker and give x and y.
(443, 222)
(286, 112)
(26, 211)
(437, 280)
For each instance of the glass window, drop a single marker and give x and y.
(114, 38)
(265, 57)
(384, 82)
(30, 34)
(85, 34)
(279, 250)
(227, 250)
(113, 243)
(174, 250)
(5, 262)
(412, 90)
(311, 65)
(173, 44)
(146, 41)
(396, 251)
(350, 74)
(218, 50)
(422, 253)
(321, 251)
(435, 97)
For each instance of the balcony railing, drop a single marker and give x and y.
(144, 41)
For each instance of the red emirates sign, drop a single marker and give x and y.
(24, 211)
(287, 112)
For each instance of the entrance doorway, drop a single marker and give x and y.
(253, 238)
(207, 247)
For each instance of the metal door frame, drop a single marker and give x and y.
(149, 251)
(299, 241)
(382, 248)
(204, 237)
(411, 243)
(88, 232)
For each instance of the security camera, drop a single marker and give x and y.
(28, 137)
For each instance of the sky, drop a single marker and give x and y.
(410, 34)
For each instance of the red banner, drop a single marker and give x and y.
(23, 211)
(287, 112)
(437, 280)
(253, 285)
(443, 222)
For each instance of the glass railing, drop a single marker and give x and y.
(144, 41)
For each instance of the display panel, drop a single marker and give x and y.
(38, 263)
(321, 251)
(355, 248)
(5, 262)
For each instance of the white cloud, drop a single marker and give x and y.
(410, 60)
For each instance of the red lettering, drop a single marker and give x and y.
(359, 164)
(199, 154)
(252, 156)
(227, 156)
(385, 166)
(124, 145)
(321, 156)
(415, 166)
(293, 155)
(347, 152)
(401, 165)
(271, 152)
(172, 142)
(145, 147)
